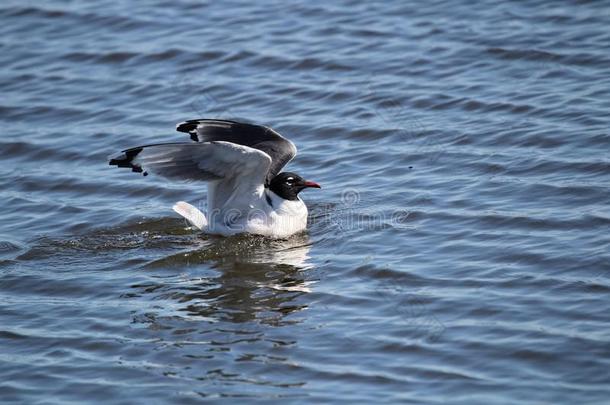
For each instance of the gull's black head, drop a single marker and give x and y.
(288, 185)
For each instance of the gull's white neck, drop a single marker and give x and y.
(284, 217)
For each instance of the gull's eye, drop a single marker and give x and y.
(289, 180)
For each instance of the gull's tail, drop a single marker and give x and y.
(191, 213)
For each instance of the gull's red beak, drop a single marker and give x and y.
(311, 184)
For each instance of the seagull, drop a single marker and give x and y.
(242, 163)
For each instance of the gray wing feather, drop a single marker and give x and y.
(280, 150)
(201, 161)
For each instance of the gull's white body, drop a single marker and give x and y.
(267, 215)
(239, 202)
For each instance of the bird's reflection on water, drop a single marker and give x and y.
(236, 279)
(224, 309)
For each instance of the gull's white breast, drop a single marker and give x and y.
(264, 213)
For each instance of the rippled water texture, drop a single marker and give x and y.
(458, 251)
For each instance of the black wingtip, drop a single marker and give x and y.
(188, 126)
(125, 159)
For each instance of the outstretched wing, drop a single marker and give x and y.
(204, 161)
(279, 149)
